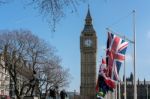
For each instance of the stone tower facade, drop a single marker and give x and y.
(88, 49)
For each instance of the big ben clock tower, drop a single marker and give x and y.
(88, 49)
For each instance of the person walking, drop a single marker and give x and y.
(53, 93)
(63, 94)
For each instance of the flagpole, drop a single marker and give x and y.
(134, 33)
(116, 93)
(125, 94)
(119, 91)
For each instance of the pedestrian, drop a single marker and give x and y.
(53, 93)
(63, 94)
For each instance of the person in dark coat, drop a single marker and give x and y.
(53, 93)
(63, 94)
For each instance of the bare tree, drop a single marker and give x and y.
(24, 53)
(52, 10)
(54, 75)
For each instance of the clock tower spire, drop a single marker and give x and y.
(88, 18)
(88, 49)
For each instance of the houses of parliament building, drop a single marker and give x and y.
(143, 88)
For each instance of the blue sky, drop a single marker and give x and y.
(115, 14)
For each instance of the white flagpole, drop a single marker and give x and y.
(134, 32)
(119, 91)
(125, 94)
(112, 78)
(116, 92)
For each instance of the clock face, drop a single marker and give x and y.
(88, 42)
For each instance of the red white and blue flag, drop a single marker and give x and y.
(116, 49)
(104, 83)
(103, 68)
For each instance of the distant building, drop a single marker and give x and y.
(4, 80)
(143, 88)
(7, 84)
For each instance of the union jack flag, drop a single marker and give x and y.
(102, 87)
(103, 68)
(104, 83)
(116, 48)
